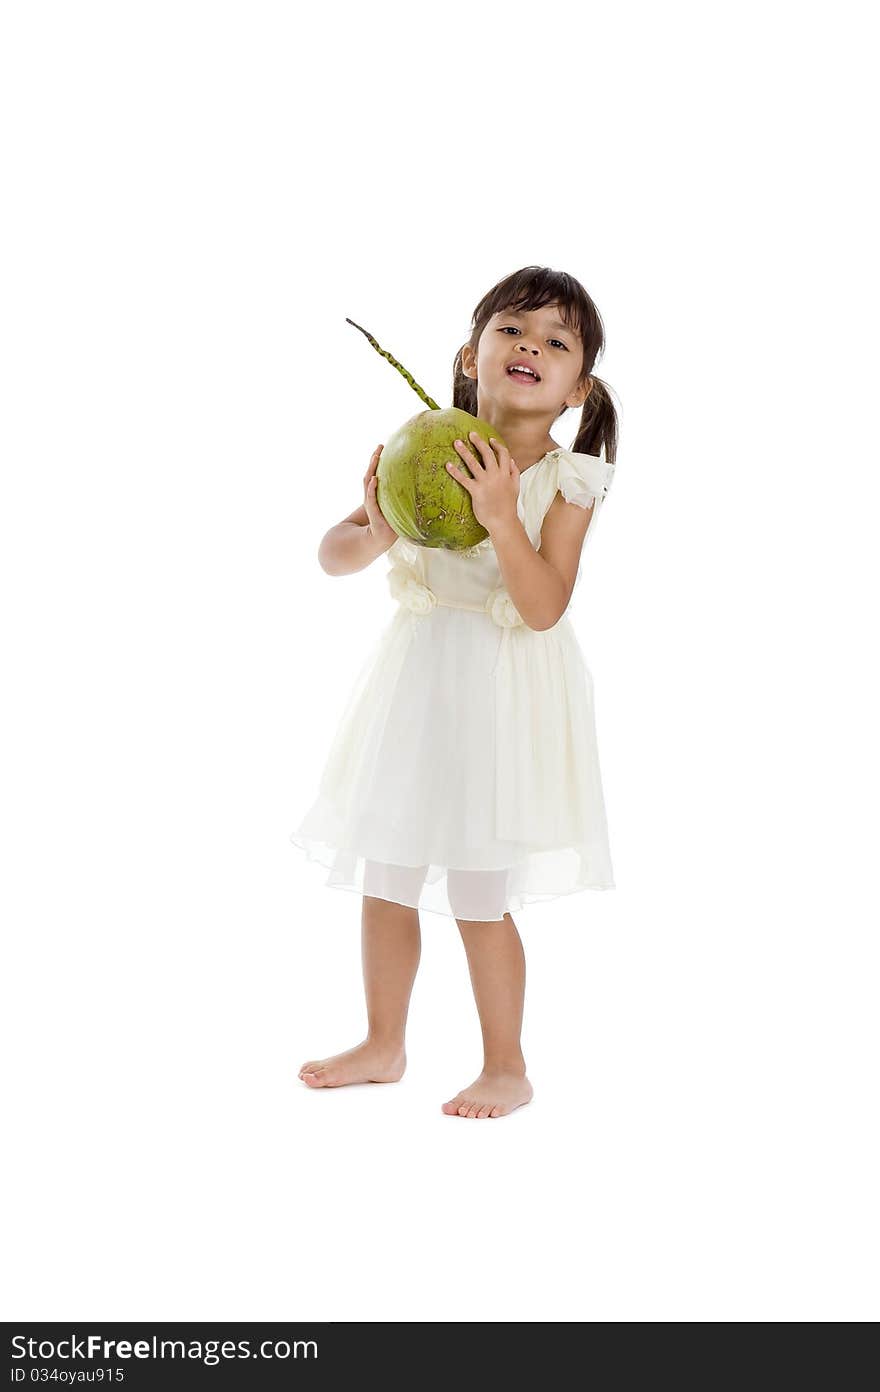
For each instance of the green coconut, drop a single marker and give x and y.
(417, 494)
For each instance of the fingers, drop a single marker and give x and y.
(371, 483)
(502, 449)
(480, 445)
(475, 465)
(487, 456)
(459, 474)
(485, 450)
(375, 516)
(373, 465)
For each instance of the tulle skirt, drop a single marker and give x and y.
(464, 776)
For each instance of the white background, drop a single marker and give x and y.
(197, 195)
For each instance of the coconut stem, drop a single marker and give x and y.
(401, 369)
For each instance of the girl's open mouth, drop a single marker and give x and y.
(526, 378)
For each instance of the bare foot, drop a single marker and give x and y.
(492, 1095)
(366, 1063)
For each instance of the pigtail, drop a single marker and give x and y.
(599, 427)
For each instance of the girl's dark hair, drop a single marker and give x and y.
(533, 287)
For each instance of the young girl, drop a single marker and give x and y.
(464, 777)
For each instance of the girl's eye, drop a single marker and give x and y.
(516, 330)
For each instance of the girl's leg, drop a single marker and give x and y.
(498, 975)
(390, 950)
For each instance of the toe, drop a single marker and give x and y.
(453, 1104)
(473, 1109)
(464, 1108)
(497, 1111)
(315, 1078)
(485, 1109)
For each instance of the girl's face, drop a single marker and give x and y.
(537, 339)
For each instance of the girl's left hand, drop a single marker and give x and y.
(494, 487)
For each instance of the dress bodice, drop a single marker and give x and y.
(422, 576)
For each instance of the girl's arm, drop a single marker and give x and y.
(540, 583)
(362, 536)
(352, 545)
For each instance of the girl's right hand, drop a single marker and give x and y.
(382, 531)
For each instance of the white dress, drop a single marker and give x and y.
(464, 775)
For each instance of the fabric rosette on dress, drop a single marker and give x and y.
(501, 608)
(408, 590)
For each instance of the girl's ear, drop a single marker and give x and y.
(580, 394)
(469, 361)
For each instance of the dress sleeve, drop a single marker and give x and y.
(583, 478)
